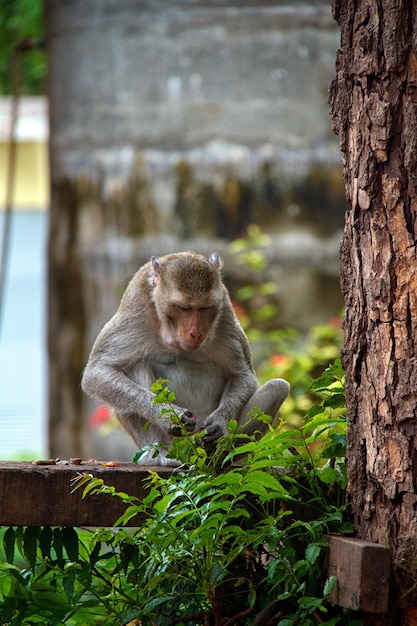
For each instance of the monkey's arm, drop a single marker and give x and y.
(241, 384)
(117, 372)
(236, 393)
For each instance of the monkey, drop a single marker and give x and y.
(176, 322)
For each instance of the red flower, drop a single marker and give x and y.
(238, 308)
(279, 360)
(100, 416)
(240, 311)
(336, 322)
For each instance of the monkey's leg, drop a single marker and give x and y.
(268, 399)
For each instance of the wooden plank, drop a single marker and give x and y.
(362, 570)
(37, 495)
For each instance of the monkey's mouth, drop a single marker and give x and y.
(191, 346)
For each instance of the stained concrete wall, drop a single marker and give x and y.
(225, 86)
(176, 124)
(173, 75)
(193, 119)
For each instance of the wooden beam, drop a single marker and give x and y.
(362, 571)
(38, 495)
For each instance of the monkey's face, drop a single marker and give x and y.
(187, 293)
(187, 325)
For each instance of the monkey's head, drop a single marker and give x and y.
(188, 292)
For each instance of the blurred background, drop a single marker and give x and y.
(145, 127)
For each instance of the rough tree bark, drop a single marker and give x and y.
(373, 102)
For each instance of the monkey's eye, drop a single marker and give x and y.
(182, 307)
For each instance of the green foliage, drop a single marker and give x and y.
(299, 359)
(232, 535)
(281, 352)
(20, 19)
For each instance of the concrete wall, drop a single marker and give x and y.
(225, 87)
(175, 76)
(193, 119)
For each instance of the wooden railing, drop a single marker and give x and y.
(40, 495)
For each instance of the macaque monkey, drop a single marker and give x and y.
(176, 322)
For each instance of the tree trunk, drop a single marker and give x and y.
(374, 108)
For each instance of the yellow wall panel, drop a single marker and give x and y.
(31, 188)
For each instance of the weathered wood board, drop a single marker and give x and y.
(37, 495)
(362, 570)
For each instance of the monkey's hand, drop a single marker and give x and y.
(213, 430)
(188, 420)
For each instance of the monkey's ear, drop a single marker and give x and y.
(216, 260)
(156, 273)
(155, 265)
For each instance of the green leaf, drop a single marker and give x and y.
(159, 385)
(155, 603)
(316, 409)
(263, 463)
(233, 477)
(232, 426)
(328, 475)
(336, 447)
(131, 512)
(329, 585)
(68, 585)
(266, 480)
(5, 584)
(30, 544)
(164, 503)
(19, 539)
(70, 542)
(152, 447)
(312, 552)
(9, 544)
(335, 401)
(255, 489)
(45, 542)
(57, 543)
(237, 512)
(310, 603)
(247, 448)
(211, 524)
(95, 554)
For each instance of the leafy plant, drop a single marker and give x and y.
(300, 359)
(22, 20)
(281, 352)
(237, 536)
